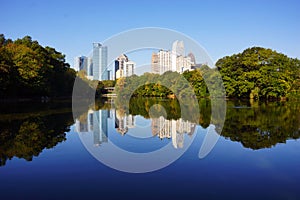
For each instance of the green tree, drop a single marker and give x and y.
(259, 73)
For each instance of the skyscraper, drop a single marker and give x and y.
(174, 60)
(154, 63)
(164, 61)
(192, 56)
(89, 72)
(123, 67)
(99, 62)
(80, 63)
(177, 50)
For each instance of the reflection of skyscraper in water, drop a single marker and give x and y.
(90, 120)
(94, 122)
(172, 129)
(123, 122)
(100, 127)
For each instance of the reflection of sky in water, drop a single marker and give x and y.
(141, 122)
(230, 171)
(132, 133)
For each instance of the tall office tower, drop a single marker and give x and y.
(80, 63)
(154, 63)
(193, 59)
(175, 60)
(178, 47)
(129, 68)
(89, 72)
(161, 62)
(164, 61)
(99, 62)
(123, 67)
(177, 50)
(119, 65)
(76, 65)
(181, 63)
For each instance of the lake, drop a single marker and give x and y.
(149, 151)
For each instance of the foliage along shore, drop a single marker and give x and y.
(29, 70)
(256, 73)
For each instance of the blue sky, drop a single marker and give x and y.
(221, 27)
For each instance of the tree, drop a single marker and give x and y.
(28, 69)
(258, 73)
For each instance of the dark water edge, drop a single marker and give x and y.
(35, 99)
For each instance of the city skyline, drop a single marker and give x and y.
(164, 60)
(96, 68)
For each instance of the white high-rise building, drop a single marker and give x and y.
(177, 50)
(171, 61)
(164, 61)
(123, 67)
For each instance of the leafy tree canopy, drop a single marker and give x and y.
(259, 73)
(28, 69)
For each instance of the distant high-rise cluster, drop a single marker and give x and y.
(172, 129)
(95, 66)
(123, 67)
(174, 60)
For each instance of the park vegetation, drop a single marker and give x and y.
(260, 73)
(28, 69)
(256, 73)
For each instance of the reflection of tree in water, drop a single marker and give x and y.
(141, 106)
(27, 137)
(256, 125)
(262, 126)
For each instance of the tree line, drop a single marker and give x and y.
(254, 124)
(256, 73)
(27, 129)
(28, 69)
(260, 73)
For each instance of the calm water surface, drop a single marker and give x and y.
(45, 154)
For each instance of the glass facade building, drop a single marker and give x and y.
(100, 71)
